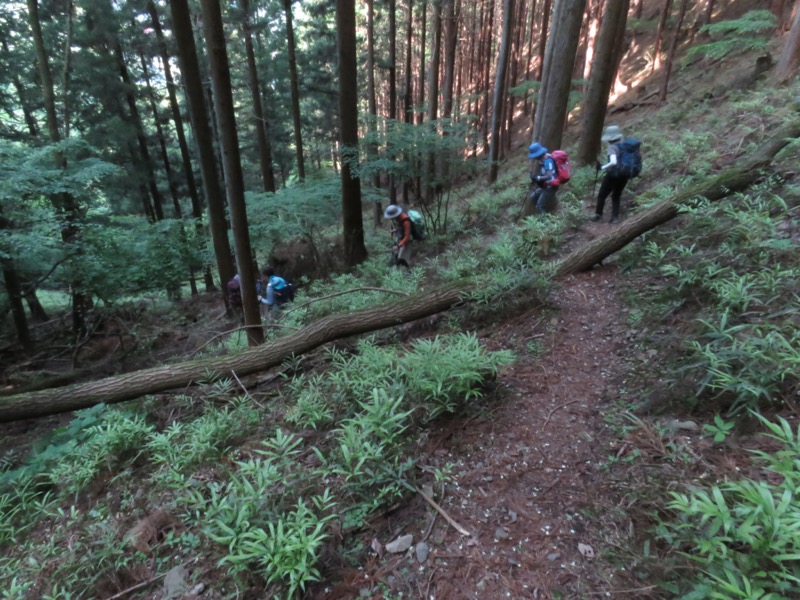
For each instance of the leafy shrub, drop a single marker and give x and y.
(743, 533)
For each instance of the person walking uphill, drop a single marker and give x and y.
(624, 162)
(402, 250)
(544, 196)
(273, 291)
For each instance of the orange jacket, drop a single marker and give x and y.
(404, 228)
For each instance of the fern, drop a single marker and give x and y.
(747, 34)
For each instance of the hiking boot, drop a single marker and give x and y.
(614, 219)
(595, 218)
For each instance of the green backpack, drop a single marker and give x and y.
(417, 224)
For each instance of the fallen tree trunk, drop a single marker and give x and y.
(150, 381)
(731, 181)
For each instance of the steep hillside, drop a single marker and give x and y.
(523, 445)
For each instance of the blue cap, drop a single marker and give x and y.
(536, 150)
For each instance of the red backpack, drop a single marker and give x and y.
(563, 168)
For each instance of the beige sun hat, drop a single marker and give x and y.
(612, 133)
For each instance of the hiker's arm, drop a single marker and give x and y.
(270, 299)
(406, 233)
(612, 160)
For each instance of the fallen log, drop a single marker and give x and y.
(715, 188)
(150, 381)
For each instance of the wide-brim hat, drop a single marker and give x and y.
(612, 133)
(535, 150)
(392, 211)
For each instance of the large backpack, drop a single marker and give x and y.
(234, 292)
(629, 161)
(417, 224)
(563, 167)
(285, 294)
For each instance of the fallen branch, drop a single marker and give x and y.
(550, 414)
(136, 587)
(442, 512)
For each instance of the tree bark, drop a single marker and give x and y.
(557, 79)
(64, 203)
(197, 209)
(204, 139)
(234, 178)
(499, 88)
(150, 381)
(141, 138)
(264, 146)
(608, 51)
(662, 26)
(673, 48)
(790, 56)
(290, 47)
(355, 252)
(715, 188)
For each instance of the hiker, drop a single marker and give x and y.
(234, 289)
(544, 196)
(614, 181)
(402, 250)
(273, 291)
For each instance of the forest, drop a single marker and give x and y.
(538, 405)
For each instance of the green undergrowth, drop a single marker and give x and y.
(716, 298)
(261, 500)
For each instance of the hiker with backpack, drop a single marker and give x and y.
(273, 291)
(405, 231)
(543, 197)
(624, 162)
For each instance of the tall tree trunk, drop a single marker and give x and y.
(64, 203)
(423, 17)
(234, 180)
(513, 71)
(593, 10)
(433, 96)
(451, 20)
(264, 146)
(606, 61)
(197, 209)
(408, 100)
(298, 135)
(136, 119)
(392, 84)
(673, 48)
(204, 139)
(662, 26)
(14, 293)
(162, 143)
(488, 53)
(542, 58)
(372, 106)
(556, 82)
(499, 88)
(790, 56)
(355, 252)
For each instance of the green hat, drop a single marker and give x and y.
(612, 133)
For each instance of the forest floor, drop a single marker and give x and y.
(540, 485)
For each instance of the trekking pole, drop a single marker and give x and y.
(596, 174)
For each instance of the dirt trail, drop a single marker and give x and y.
(525, 477)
